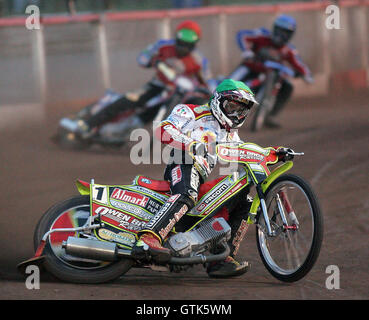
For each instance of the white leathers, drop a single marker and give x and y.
(188, 124)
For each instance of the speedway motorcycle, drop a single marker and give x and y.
(267, 86)
(88, 238)
(116, 132)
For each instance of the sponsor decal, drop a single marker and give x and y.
(248, 155)
(131, 197)
(226, 196)
(173, 198)
(178, 215)
(124, 221)
(211, 196)
(153, 206)
(161, 212)
(241, 154)
(176, 175)
(150, 193)
(139, 212)
(215, 193)
(181, 110)
(195, 179)
(201, 206)
(121, 237)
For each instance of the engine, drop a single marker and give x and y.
(201, 239)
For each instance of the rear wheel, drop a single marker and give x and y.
(72, 213)
(292, 250)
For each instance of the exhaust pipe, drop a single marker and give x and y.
(94, 249)
(108, 251)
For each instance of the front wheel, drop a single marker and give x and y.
(73, 213)
(266, 101)
(293, 248)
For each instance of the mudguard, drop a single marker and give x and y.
(83, 187)
(264, 185)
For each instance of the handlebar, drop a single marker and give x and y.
(289, 151)
(280, 67)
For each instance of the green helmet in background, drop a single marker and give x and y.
(188, 33)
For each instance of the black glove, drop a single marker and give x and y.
(284, 154)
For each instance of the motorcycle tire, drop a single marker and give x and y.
(299, 248)
(76, 210)
(266, 100)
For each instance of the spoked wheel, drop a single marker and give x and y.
(266, 100)
(73, 213)
(292, 250)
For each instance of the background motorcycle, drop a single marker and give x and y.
(267, 86)
(116, 132)
(88, 238)
(265, 83)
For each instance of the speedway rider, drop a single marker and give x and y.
(259, 45)
(179, 56)
(190, 129)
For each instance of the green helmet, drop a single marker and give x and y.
(186, 40)
(231, 103)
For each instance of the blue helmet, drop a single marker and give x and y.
(283, 29)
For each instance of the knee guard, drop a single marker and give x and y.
(238, 224)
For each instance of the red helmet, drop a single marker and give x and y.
(188, 34)
(189, 24)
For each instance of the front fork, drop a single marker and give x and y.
(264, 210)
(281, 199)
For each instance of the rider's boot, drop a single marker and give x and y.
(150, 245)
(85, 127)
(230, 267)
(284, 94)
(227, 268)
(151, 238)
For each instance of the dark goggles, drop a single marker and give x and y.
(281, 35)
(184, 45)
(236, 109)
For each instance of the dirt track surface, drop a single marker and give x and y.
(335, 138)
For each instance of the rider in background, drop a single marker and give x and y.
(259, 45)
(178, 55)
